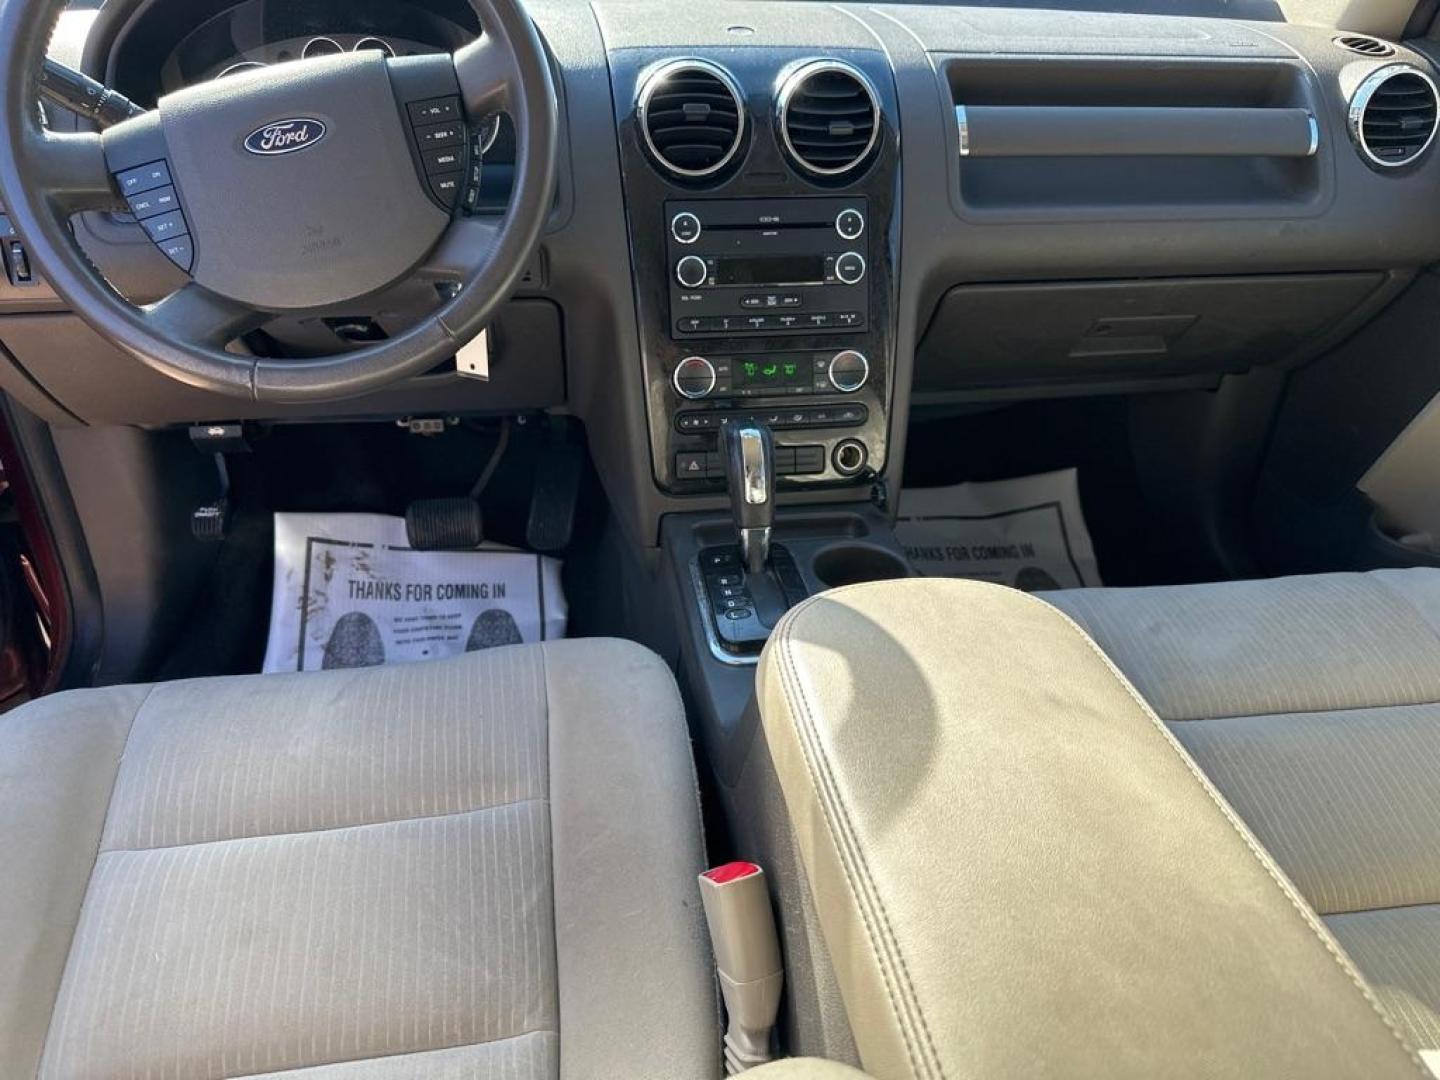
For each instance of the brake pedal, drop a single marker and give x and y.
(444, 524)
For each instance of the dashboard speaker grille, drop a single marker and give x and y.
(692, 117)
(829, 118)
(1393, 115)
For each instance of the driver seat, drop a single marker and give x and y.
(482, 867)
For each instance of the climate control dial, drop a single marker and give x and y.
(692, 272)
(849, 371)
(694, 378)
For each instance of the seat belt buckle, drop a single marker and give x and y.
(747, 957)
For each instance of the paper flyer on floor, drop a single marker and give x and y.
(350, 592)
(1028, 533)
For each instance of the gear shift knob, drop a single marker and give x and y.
(749, 453)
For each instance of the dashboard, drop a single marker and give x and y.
(828, 215)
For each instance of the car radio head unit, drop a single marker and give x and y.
(767, 266)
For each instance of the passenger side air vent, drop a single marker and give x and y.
(692, 117)
(1365, 46)
(829, 118)
(1392, 116)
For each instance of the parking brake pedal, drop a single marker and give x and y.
(747, 956)
(210, 522)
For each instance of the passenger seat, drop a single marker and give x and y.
(1187, 831)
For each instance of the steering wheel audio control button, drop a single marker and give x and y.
(180, 251)
(444, 160)
(434, 111)
(447, 188)
(436, 135)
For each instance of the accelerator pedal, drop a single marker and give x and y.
(552, 501)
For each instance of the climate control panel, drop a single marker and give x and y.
(772, 375)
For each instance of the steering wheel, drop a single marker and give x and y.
(291, 189)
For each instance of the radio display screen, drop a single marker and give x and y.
(771, 270)
(777, 374)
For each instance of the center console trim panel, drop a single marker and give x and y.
(825, 330)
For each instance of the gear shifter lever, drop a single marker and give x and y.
(749, 453)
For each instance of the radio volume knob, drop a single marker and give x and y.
(849, 371)
(850, 267)
(694, 377)
(692, 272)
(685, 227)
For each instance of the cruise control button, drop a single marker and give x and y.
(149, 203)
(436, 135)
(434, 110)
(165, 226)
(443, 160)
(180, 251)
(143, 178)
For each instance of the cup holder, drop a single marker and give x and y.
(852, 563)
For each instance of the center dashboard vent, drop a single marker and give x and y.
(829, 118)
(692, 117)
(1392, 116)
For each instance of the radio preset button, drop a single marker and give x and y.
(850, 223)
(685, 227)
(694, 377)
(692, 272)
(850, 267)
(849, 371)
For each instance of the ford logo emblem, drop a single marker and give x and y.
(285, 137)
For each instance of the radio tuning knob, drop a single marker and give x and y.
(694, 377)
(692, 272)
(850, 223)
(849, 371)
(850, 267)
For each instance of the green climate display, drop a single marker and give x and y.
(780, 374)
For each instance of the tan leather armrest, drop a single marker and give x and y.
(1018, 870)
(805, 1069)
